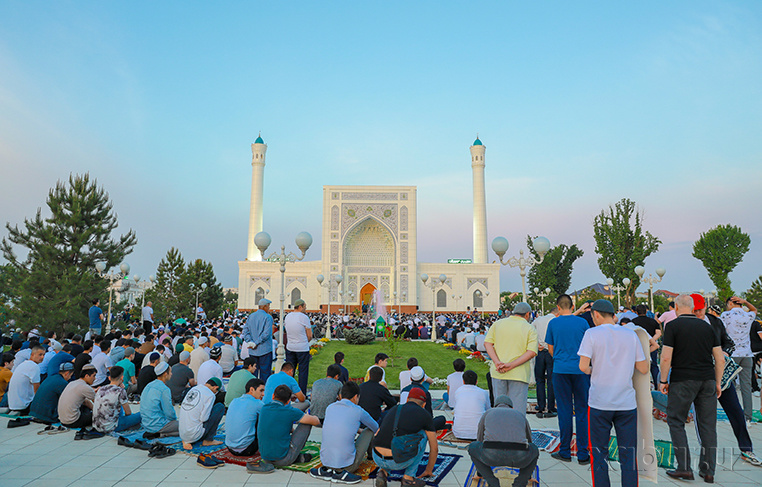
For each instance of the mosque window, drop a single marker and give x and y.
(259, 294)
(296, 294)
(441, 298)
(478, 299)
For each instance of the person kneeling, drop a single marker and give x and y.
(200, 415)
(341, 453)
(241, 423)
(278, 444)
(504, 439)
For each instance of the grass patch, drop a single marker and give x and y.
(434, 358)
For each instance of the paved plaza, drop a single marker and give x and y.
(28, 459)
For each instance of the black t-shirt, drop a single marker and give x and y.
(76, 349)
(413, 419)
(372, 396)
(756, 341)
(79, 362)
(181, 375)
(692, 341)
(145, 376)
(174, 360)
(648, 324)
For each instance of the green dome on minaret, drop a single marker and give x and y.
(477, 141)
(260, 141)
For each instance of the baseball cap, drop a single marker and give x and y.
(698, 302)
(66, 366)
(161, 368)
(716, 308)
(522, 309)
(264, 302)
(416, 373)
(603, 305)
(417, 393)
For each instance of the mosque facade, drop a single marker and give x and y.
(369, 238)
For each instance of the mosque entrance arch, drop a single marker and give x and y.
(366, 293)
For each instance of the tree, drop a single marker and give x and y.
(200, 272)
(622, 244)
(166, 294)
(721, 249)
(555, 270)
(9, 277)
(754, 293)
(231, 301)
(57, 278)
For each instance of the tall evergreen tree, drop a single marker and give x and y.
(555, 270)
(212, 298)
(721, 249)
(57, 277)
(168, 294)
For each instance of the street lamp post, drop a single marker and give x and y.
(456, 298)
(541, 245)
(650, 280)
(320, 279)
(434, 283)
(197, 292)
(136, 278)
(625, 283)
(303, 240)
(112, 276)
(542, 296)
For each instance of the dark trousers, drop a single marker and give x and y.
(249, 451)
(702, 394)
(301, 361)
(147, 327)
(626, 426)
(655, 368)
(571, 400)
(85, 419)
(298, 439)
(264, 365)
(211, 424)
(486, 458)
(543, 374)
(732, 407)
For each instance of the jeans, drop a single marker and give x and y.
(485, 458)
(127, 421)
(301, 361)
(626, 425)
(746, 363)
(571, 400)
(298, 439)
(703, 396)
(362, 442)
(264, 365)
(515, 389)
(410, 467)
(543, 367)
(211, 424)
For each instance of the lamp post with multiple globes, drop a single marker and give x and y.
(112, 276)
(433, 284)
(541, 245)
(625, 283)
(542, 296)
(650, 280)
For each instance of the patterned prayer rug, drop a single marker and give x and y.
(197, 448)
(313, 448)
(228, 457)
(445, 462)
(665, 452)
(504, 474)
(545, 440)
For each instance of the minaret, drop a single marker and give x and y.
(480, 202)
(258, 149)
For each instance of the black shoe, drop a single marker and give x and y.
(540, 414)
(303, 458)
(124, 441)
(79, 435)
(681, 474)
(551, 414)
(708, 478)
(558, 456)
(584, 462)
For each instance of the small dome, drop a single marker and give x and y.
(478, 142)
(260, 141)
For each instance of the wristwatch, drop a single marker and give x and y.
(660, 382)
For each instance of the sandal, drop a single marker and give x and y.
(47, 430)
(60, 429)
(163, 452)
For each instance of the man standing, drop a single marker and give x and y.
(511, 343)
(738, 323)
(615, 351)
(654, 330)
(258, 337)
(570, 385)
(543, 368)
(96, 318)
(147, 315)
(690, 344)
(299, 331)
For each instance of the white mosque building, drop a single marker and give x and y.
(369, 239)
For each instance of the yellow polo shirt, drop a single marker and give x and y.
(512, 337)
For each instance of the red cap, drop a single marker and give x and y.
(417, 393)
(698, 302)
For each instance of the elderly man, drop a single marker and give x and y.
(693, 354)
(147, 315)
(511, 343)
(738, 323)
(299, 331)
(258, 337)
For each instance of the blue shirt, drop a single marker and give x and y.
(95, 316)
(45, 403)
(156, 406)
(241, 422)
(117, 354)
(565, 334)
(342, 419)
(259, 329)
(55, 363)
(274, 429)
(277, 379)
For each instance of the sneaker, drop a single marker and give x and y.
(206, 461)
(551, 414)
(344, 477)
(261, 467)
(321, 473)
(750, 457)
(558, 456)
(584, 462)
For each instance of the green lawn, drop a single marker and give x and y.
(434, 358)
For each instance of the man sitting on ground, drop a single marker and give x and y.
(286, 377)
(278, 444)
(504, 439)
(129, 377)
(342, 450)
(239, 381)
(454, 381)
(380, 361)
(200, 415)
(405, 379)
(212, 368)
(229, 356)
(147, 374)
(61, 356)
(75, 406)
(471, 402)
(241, 422)
(45, 403)
(111, 411)
(338, 358)
(158, 416)
(417, 375)
(199, 355)
(182, 378)
(325, 391)
(25, 382)
(373, 395)
(102, 362)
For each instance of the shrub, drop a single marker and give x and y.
(359, 336)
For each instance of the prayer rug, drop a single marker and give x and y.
(665, 452)
(447, 438)
(197, 448)
(313, 448)
(445, 462)
(228, 457)
(546, 440)
(504, 474)
(439, 405)
(11, 416)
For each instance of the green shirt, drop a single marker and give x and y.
(129, 370)
(237, 385)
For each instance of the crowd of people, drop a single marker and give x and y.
(186, 377)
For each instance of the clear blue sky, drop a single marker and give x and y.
(578, 103)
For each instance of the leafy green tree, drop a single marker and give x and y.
(555, 270)
(754, 293)
(168, 294)
(622, 244)
(507, 301)
(57, 278)
(9, 277)
(201, 272)
(721, 249)
(231, 301)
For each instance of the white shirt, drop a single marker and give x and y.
(541, 325)
(738, 323)
(102, 363)
(480, 343)
(21, 357)
(195, 409)
(613, 351)
(472, 403)
(209, 369)
(197, 357)
(454, 382)
(229, 356)
(147, 358)
(21, 387)
(147, 312)
(405, 378)
(297, 324)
